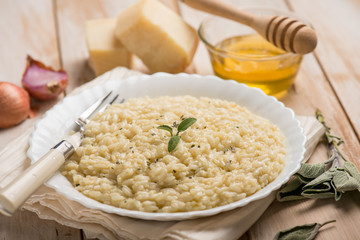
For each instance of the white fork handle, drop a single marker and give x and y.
(18, 191)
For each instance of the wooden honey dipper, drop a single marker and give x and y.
(282, 31)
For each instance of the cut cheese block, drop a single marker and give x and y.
(105, 50)
(157, 35)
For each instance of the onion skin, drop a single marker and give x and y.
(14, 105)
(42, 82)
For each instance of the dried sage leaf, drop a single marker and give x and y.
(324, 190)
(325, 177)
(337, 193)
(302, 232)
(315, 181)
(293, 184)
(330, 184)
(343, 182)
(173, 142)
(323, 186)
(311, 171)
(322, 195)
(291, 190)
(352, 170)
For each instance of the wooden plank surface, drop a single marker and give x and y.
(25, 225)
(338, 55)
(320, 85)
(53, 31)
(338, 51)
(28, 27)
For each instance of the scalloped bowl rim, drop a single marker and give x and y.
(63, 186)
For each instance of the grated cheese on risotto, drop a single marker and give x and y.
(227, 155)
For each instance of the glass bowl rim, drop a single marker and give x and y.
(247, 57)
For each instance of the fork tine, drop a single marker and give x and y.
(90, 110)
(114, 99)
(111, 102)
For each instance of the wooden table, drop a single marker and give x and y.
(329, 79)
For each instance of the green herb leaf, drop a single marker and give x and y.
(173, 142)
(311, 171)
(325, 177)
(185, 124)
(315, 181)
(352, 170)
(344, 182)
(324, 186)
(166, 128)
(291, 190)
(324, 190)
(302, 232)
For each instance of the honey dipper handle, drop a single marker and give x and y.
(284, 32)
(221, 9)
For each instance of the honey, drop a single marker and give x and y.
(252, 60)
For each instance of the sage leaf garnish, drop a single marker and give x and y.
(175, 139)
(185, 124)
(328, 179)
(173, 142)
(166, 128)
(302, 232)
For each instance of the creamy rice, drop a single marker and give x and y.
(227, 155)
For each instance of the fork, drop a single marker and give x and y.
(18, 191)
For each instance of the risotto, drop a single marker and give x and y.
(227, 155)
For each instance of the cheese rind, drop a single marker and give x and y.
(105, 50)
(158, 36)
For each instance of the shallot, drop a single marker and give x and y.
(42, 82)
(14, 105)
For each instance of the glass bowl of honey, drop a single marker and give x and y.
(237, 52)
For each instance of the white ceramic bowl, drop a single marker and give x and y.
(58, 121)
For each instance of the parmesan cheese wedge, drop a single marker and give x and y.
(105, 50)
(157, 35)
